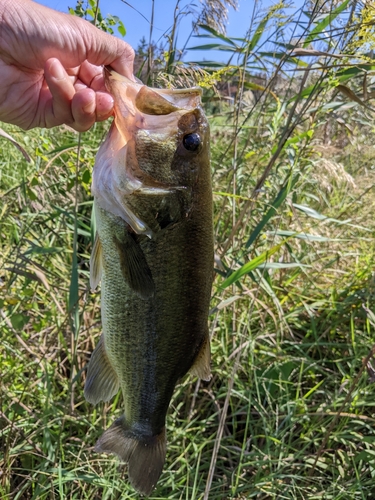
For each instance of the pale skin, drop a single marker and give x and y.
(51, 67)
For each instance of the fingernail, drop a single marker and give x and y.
(104, 105)
(58, 71)
(111, 102)
(89, 107)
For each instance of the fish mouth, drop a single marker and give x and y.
(152, 101)
(156, 111)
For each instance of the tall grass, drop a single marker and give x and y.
(289, 410)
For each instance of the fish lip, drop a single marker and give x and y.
(189, 90)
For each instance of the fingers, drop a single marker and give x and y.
(83, 110)
(104, 106)
(72, 102)
(62, 90)
(92, 76)
(89, 107)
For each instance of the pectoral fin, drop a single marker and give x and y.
(101, 382)
(134, 266)
(96, 265)
(201, 366)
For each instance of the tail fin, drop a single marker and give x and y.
(145, 454)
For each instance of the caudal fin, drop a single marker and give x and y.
(144, 454)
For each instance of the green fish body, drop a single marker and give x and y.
(154, 257)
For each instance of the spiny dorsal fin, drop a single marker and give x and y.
(134, 266)
(101, 382)
(96, 263)
(201, 366)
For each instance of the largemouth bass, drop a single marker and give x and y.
(154, 257)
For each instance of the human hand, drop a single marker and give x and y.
(50, 67)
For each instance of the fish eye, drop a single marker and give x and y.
(192, 141)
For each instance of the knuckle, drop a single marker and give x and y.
(130, 54)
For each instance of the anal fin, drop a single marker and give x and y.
(96, 265)
(134, 266)
(201, 366)
(101, 382)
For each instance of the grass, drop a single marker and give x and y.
(289, 412)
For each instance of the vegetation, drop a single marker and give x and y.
(288, 413)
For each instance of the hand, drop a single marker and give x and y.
(50, 67)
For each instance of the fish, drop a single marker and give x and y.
(154, 256)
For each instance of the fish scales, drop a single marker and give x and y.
(154, 257)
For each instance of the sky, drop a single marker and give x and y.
(137, 26)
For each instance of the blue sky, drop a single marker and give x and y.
(137, 26)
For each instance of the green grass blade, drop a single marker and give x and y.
(322, 25)
(216, 34)
(275, 205)
(216, 46)
(258, 33)
(250, 266)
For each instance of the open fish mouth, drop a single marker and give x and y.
(154, 110)
(152, 101)
(155, 113)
